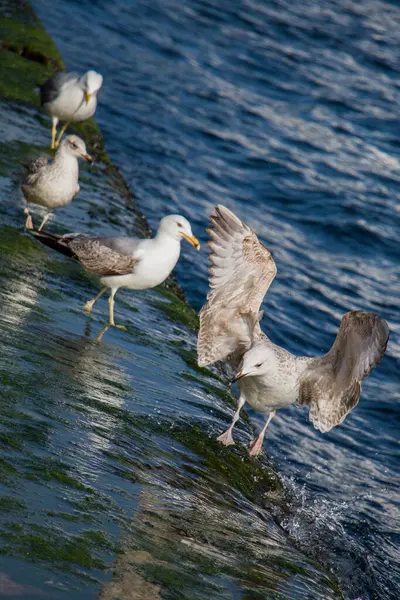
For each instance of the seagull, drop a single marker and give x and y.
(69, 97)
(269, 377)
(137, 264)
(54, 184)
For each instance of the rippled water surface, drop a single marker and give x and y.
(288, 114)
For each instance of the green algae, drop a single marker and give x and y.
(222, 468)
(10, 440)
(13, 242)
(176, 309)
(38, 543)
(100, 540)
(28, 56)
(76, 518)
(54, 471)
(29, 38)
(227, 466)
(190, 358)
(9, 504)
(97, 503)
(7, 471)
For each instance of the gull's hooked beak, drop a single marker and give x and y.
(238, 376)
(87, 157)
(87, 97)
(192, 240)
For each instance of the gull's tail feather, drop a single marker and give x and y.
(56, 242)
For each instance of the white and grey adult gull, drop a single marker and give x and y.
(270, 377)
(53, 185)
(71, 98)
(124, 262)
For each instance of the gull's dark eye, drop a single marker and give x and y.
(180, 225)
(259, 365)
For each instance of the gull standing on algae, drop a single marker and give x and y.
(124, 262)
(53, 185)
(71, 98)
(270, 377)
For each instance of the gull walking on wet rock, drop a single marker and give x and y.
(124, 262)
(269, 377)
(71, 98)
(53, 185)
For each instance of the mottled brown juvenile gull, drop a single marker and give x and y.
(269, 377)
(53, 185)
(126, 262)
(71, 98)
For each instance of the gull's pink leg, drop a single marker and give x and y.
(28, 222)
(45, 219)
(256, 445)
(226, 437)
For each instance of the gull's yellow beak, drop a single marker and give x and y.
(192, 240)
(87, 157)
(88, 96)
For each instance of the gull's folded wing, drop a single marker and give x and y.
(51, 89)
(102, 256)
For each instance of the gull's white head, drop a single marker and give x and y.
(91, 82)
(255, 362)
(178, 227)
(74, 146)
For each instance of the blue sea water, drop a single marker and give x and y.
(288, 114)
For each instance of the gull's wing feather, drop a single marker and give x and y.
(51, 89)
(37, 164)
(97, 255)
(124, 245)
(331, 384)
(34, 170)
(241, 272)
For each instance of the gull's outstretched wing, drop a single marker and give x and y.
(241, 272)
(51, 89)
(331, 384)
(104, 256)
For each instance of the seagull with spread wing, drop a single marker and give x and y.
(270, 377)
(124, 262)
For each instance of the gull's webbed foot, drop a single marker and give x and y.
(28, 222)
(88, 306)
(90, 303)
(226, 438)
(256, 446)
